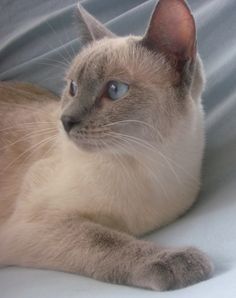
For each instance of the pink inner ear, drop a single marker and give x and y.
(172, 29)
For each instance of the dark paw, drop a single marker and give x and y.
(173, 269)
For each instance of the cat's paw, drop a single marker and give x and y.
(173, 269)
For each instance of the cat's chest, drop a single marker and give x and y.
(133, 199)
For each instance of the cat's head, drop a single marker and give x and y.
(126, 91)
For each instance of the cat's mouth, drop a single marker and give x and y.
(92, 140)
(89, 138)
(97, 139)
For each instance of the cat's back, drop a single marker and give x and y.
(27, 120)
(19, 101)
(25, 110)
(22, 94)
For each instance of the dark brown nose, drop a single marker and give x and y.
(69, 122)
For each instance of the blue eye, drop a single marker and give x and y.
(116, 90)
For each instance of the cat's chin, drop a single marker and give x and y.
(83, 144)
(101, 147)
(89, 146)
(86, 147)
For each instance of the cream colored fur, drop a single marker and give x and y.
(76, 210)
(159, 185)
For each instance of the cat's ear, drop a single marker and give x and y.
(172, 32)
(90, 28)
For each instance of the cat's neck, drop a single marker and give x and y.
(102, 159)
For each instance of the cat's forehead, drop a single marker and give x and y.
(118, 58)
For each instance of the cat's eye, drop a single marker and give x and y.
(116, 90)
(73, 88)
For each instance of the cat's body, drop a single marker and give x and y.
(159, 185)
(70, 203)
(22, 106)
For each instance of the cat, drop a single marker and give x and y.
(119, 156)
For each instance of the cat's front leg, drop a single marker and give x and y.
(73, 244)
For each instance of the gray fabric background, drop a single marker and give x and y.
(33, 34)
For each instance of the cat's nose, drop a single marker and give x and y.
(68, 122)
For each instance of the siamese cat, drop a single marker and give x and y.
(120, 155)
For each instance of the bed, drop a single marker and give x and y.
(38, 39)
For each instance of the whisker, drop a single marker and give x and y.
(50, 149)
(50, 77)
(146, 145)
(31, 149)
(57, 61)
(18, 105)
(154, 129)
(138, 140)
(67, 62)
(127, 174)
(69, 43)
(130, 120)
(73, 50)
(62, 44)
(28, 137)
(21, 126)
(52, 65)
(167, 159)
(148, 169)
